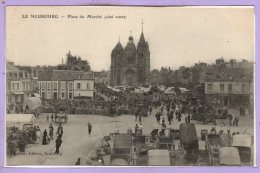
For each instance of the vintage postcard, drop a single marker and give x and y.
(129, 86)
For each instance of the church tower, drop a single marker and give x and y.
(143, 59)
(117, 57)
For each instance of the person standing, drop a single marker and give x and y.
(38, 134)
(188, 117)
(236, 120)
(58, 144)
(89, 128)
(136, 127)
(51, 132)
(163, 123)
(151, 109)
(44, 139)
(52, 117)
(230, 117)
(140, 118)
(60, 131)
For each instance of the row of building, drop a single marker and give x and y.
(228, 83)
(48, 83)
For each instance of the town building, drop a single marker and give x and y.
(65, 84)
(130, 65)
(233, 87)
(18, 84)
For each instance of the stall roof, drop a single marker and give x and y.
(19, 119)
(242, 140)
(158, 158)
(188, 132)
(170, 90)
(123, 141)
(229, 156)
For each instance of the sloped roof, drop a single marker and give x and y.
(64, 75)
(130, 46)
(188, 133)
(10, 67)
(231, 74)
(123, 141)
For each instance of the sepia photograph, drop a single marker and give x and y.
(129, 86)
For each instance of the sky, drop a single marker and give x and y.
(177, 36)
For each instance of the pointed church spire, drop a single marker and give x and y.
(142, 40)
(142, 23)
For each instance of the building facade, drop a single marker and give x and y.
(18, 84)
(65, 84)
(130, 65)
(234, 88)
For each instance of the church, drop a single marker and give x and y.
(130, 65)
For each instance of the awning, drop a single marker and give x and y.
(36, 95)
(18, 92)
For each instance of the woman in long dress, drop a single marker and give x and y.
(44, 139)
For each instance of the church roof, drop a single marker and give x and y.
(118, 46)
(130, 46)
(142, 41)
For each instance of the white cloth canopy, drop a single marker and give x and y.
(158, 158)
(169, 90)
(32, 103)
(19, 120)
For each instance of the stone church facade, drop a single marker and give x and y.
(130, 65)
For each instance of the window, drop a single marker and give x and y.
(62, 95)
(63, 86)
(10, 74)
(21, 74)
(70, 95)
(24, 87)
(70, 86)
(55, 86)
(43, 85)
(230, 88)
(222, 87)
(78, 85)
(13, 86)
(243, 88)
(18, 86)
(9, 86)
(28, 86)
(15, 74)
(209, 88)
(87, 85)
(49, 86)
